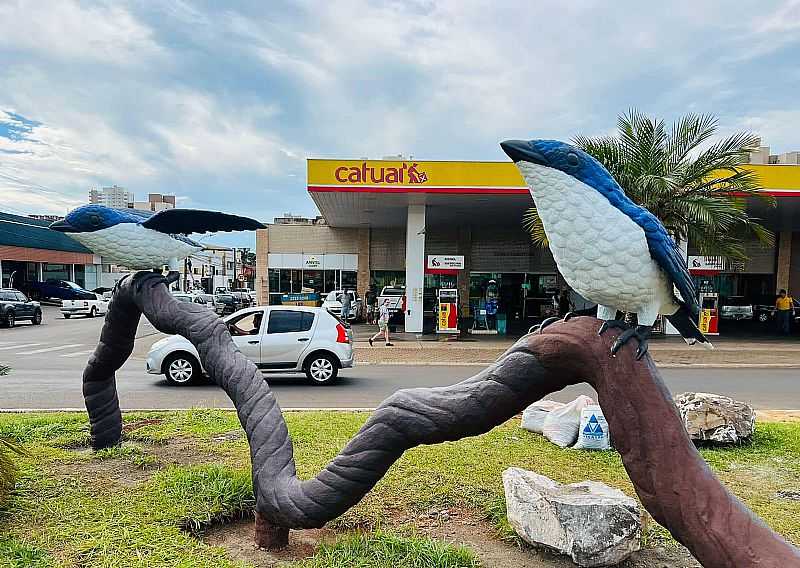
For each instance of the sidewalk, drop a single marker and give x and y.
(667, 352)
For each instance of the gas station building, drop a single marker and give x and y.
(452, 224)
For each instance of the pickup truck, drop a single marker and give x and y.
(90, 308)
(60, 289)
(396, 296)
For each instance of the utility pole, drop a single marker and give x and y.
(234, 268)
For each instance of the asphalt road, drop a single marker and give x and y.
(48, 361)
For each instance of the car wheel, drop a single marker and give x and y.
(37, 318)
(93, 312)
(322, 369)
(181, 369)
(763, 317)
(67, 316)
(11, 319)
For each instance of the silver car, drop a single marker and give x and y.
(285, 339)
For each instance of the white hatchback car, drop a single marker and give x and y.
(286, 339)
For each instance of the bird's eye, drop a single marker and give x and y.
(573, 159)
(95, 219)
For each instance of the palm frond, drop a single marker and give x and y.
(532, 223)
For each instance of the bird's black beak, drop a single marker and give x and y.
(62, 226)
(522, 151)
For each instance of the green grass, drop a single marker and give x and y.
(126, 506)
(17, 554)
(385, 550)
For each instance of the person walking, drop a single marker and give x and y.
(346, 305)
(564, 303)
(383, 324)
(784, 311)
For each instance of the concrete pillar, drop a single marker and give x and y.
(262, 266)
(415, 267)
(1, 273)
(783, 270)
(462, 282)
(72, 273)
(363, 277)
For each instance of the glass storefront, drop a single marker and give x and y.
(381, 278)
(56, 271)
(520, 296)
(293, 281)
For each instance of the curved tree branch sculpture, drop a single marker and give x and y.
(671, 478)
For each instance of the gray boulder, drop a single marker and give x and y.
(716, 418)
(596, 525)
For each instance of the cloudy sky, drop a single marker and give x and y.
(221, 102)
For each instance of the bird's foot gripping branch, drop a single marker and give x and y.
(672, 480)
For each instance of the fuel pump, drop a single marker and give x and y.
(447, 320)
(709, 313)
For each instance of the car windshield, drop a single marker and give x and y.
(225, 298)
(183, 298)
(737, 301)
(333, 296)
(393, 292)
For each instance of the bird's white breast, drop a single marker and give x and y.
(600, 251)
(134, 246)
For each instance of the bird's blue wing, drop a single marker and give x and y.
(185, 221)
(667, 255)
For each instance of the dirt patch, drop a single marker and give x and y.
(113, 471)
(178, 451)
(463, 527)
(455, 526)
(236, 539)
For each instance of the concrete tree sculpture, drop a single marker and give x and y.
(672, 480)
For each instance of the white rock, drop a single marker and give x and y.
(715, 417)
(596, 525)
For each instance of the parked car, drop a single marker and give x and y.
(89, 308)
(396, 296)
(207, 299)
(286, 339)
(227, 304)
(766, 312)
(333, 303)
(60, 290)
(736, 308)
(15, 306)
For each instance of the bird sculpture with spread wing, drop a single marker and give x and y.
(142, 240)
(608, 249)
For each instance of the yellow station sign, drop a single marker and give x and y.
(466, 177)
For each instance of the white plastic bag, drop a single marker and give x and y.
(593, 431)
(533, 416)
(561, 425)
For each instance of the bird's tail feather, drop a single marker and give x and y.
(684, 322)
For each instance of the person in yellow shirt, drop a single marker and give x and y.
(784, 307)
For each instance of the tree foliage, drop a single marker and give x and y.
(696, 187)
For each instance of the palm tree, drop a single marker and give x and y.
(698, 191)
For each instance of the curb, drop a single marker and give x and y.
(659, 365)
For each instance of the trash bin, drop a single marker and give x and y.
(501, 324)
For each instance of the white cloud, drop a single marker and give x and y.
(72, 31)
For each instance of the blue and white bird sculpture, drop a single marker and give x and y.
(142, 240)
(608, 249)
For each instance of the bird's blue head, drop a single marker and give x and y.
(561, 156)
(89, 218)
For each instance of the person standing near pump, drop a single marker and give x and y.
(383, 324)
(784, 310)
(371, 298)
(346, 305)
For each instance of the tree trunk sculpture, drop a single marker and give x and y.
(669, 475)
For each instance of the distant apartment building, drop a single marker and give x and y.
(762, 156)
(113, 196)
(121, 198)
